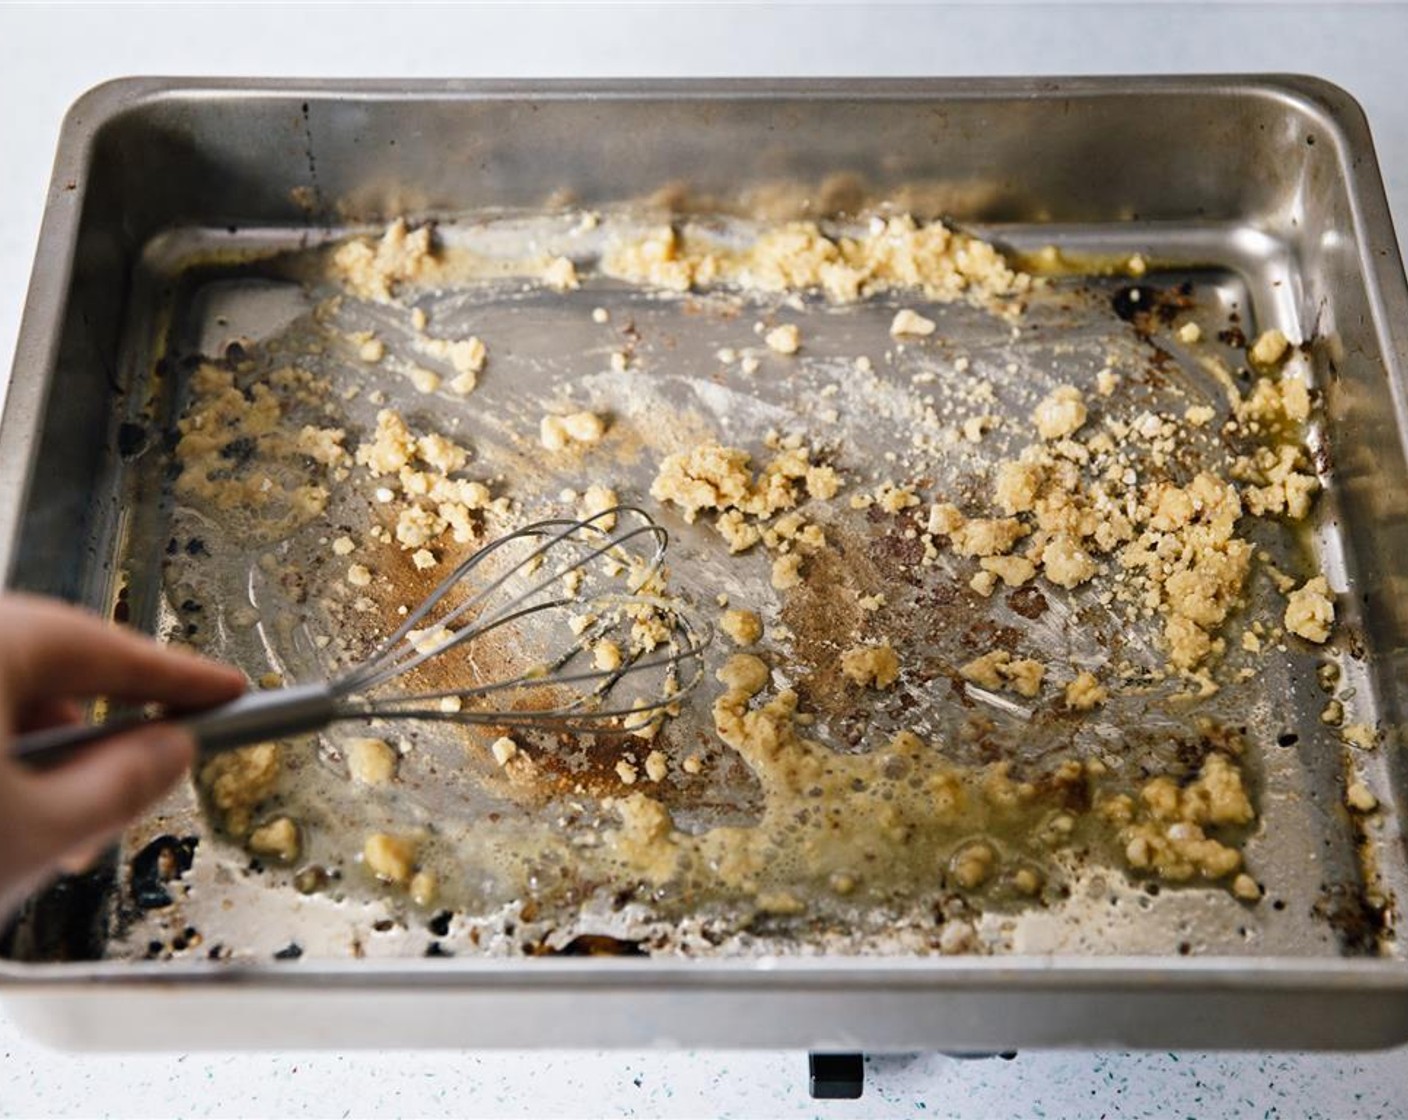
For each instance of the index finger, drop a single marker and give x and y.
(55, 650)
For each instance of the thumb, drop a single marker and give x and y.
(91, 797)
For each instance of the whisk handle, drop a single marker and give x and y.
(253, 718)
(54, 745)
(259, 716)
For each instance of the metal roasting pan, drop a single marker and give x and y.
(1261, 191)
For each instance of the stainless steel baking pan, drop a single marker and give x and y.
(1261, 193)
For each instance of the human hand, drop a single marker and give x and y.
(52, 657)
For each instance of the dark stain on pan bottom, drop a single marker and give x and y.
(1359, 925)
(67, 922)
(590, 945)
(162, 861)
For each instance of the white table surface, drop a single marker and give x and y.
(50, 54)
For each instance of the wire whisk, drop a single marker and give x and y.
(562, 625)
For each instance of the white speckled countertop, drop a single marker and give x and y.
(711, 1083)
(54, 53)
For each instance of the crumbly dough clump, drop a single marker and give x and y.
(1360, 797)
(503, 749)
(1166, 827)
(279, 839)
(646, 839)
(1085, 692)
(1014, 571)
(786, 339)
(744, 671)
(999, 669)
(1178, 546)
(595, 505)
(876, 666)
(238, 781)
(466, 356)
(712, 477)
(744, 627)
(371, 761)
(1194, 563)
(560, 275)
(910, 322)
(375, 269)
(607, 656)
(1061, 413)
(898, 253)
(435, 501)
(557, 433)
(390, 858)
(787, 572)
(1269, 348)
(239, 454)
(1361, 735)
(977, 536)
(1310, 610)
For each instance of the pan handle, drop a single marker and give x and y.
(254, 718)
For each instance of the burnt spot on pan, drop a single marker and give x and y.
(67, 922)
(588, 945)
(131, 439)
(1147, 307)
(239, 450)
(1028, 602)
(1358, 924)
(122, 606)
(1233, 336)
(312, 879)
(162, 861)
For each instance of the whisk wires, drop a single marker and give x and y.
(552, 568)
